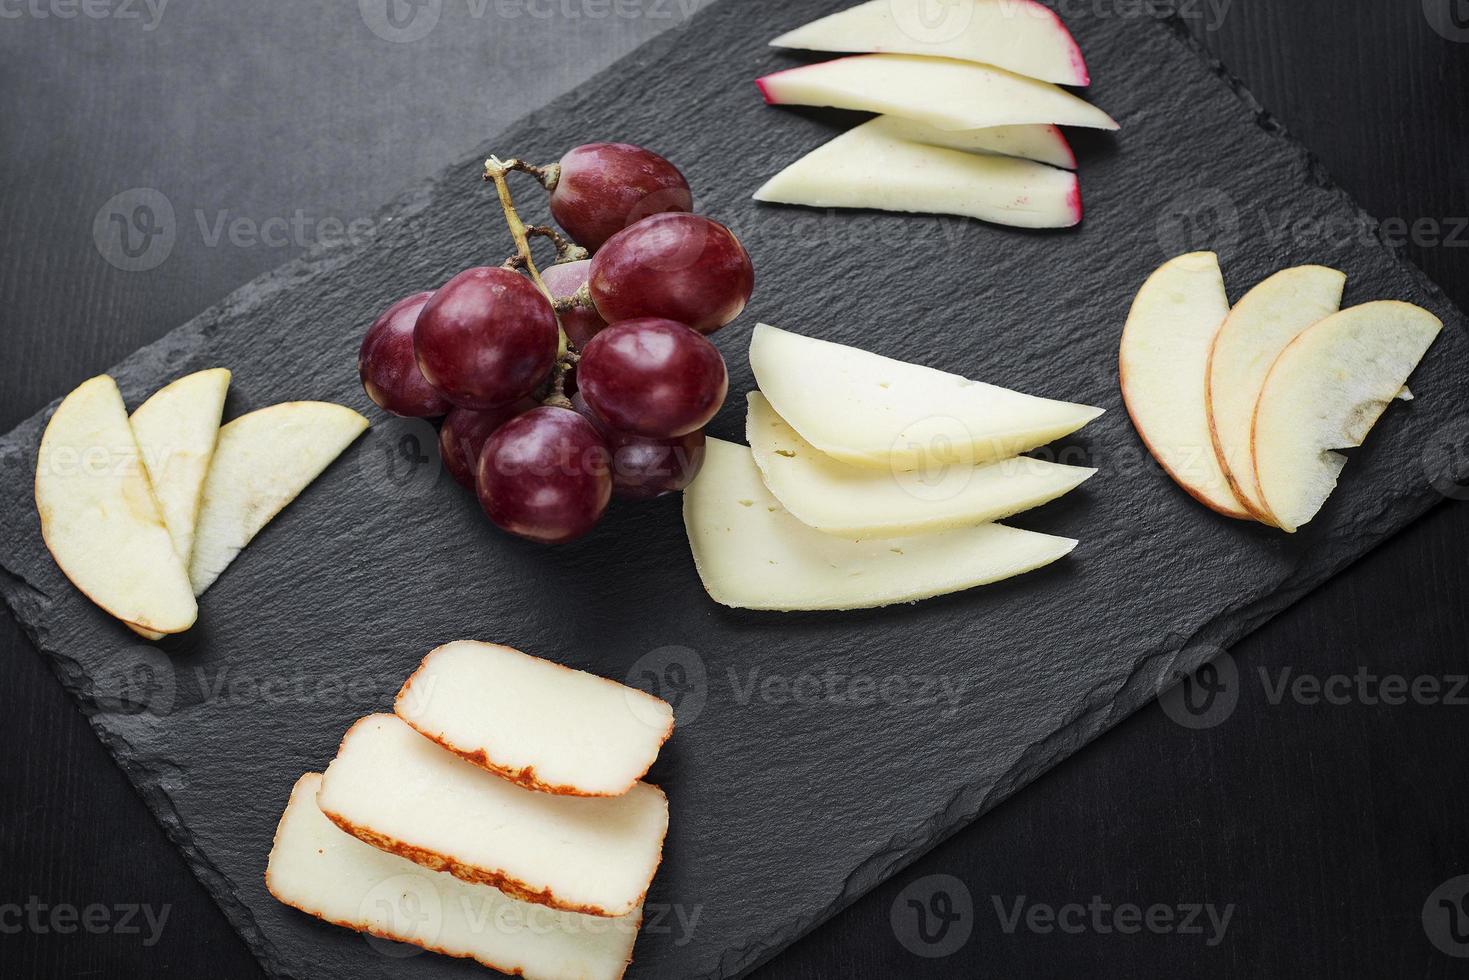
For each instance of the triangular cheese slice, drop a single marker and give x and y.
(752, 554)
(866, 502)
(870, 410)
(1020, 35)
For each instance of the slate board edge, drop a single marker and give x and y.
(1099, 713)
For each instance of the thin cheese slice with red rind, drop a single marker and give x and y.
(398, 791)
(335, 877)
(535, 722)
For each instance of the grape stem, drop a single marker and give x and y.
(495, 170)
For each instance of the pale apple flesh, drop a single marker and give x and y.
(942, 92)
(1325, 392)
(176, 430)
(262, 461)
(865, 168)
(1262, 323)
(1041, 143)
(863, 502)
(1019, 35)
(1162, 365)
(99, 517)
(751, 553)
(869, 410)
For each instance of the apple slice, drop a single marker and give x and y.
(317, 868)
(176, 430)
(99, 517)
(870, 410)
(1163, 367)
(943, 92)
(261, 462)
(1043, 144)
(535, 722)
(863, 502)
(1326, 391)
(1262, 323)
(866, 168)
(1019, 35)
(398, 791)
(752, 554)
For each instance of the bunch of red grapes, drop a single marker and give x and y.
(555, 399)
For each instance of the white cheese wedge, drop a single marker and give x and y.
(867, 168)
(335, 877)
(1021, 35)
(262, 461)
(865, 502)
(943, 92)
(177, 428)
(1326, 391)
(869, 410)
(1261, 325)
(752, 554)
(1044, 144)
(99, 517)
(535, 722)
(1163, 367)
(398, 791)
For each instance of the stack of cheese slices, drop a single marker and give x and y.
(970, 108)
(498, 814)
(142, 514)
(870, 481)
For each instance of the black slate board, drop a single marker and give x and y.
(782, 812)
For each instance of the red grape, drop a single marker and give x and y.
(564, 279)
(604, 187)
(652, 377)
(389, 372)
(486, 338)
(683, 267)
(644, 468)
(545, 475)
(463, 435)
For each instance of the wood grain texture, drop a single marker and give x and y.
(1212, 800)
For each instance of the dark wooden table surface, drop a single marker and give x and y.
(1321, 825)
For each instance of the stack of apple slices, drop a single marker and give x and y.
(518, 777)
(970, 108)
(143, 514)
(870, 481)
(1245, 407)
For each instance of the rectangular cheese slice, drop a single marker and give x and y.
(398, 791)
(334, 876)
(752, 554)
(533, 721)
